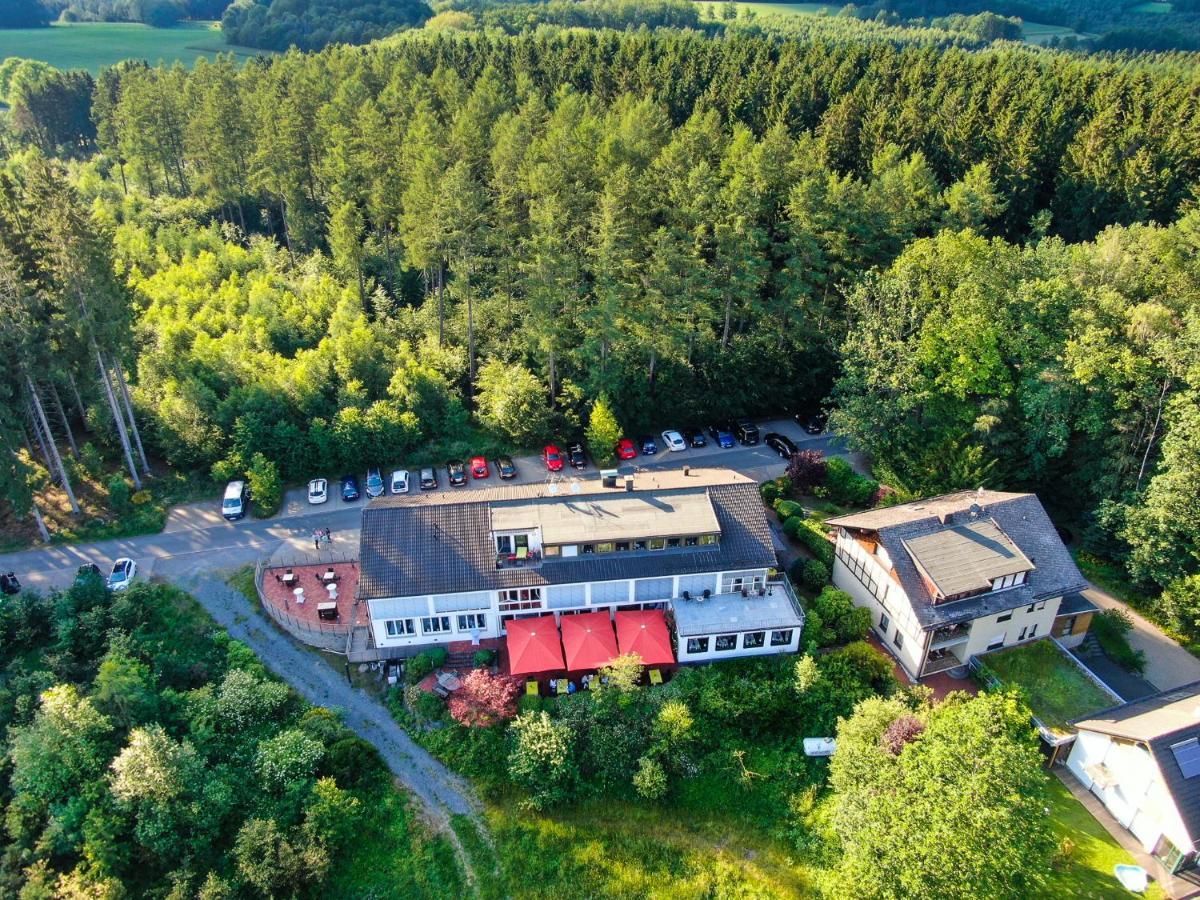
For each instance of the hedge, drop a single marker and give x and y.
(785, 509)
(811, 535)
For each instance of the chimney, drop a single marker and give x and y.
(629, 482)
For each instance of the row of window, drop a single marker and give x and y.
(695, 540)
(1008, 581)
(750, 640)
(863, 571)
(1032, 607)
(434, 625)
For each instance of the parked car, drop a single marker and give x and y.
(648, 444)
(674, 440)
(86, 570)
(349, 488)
(505, 468)
(553, 458)
(695, 436)
(781, 444)
(457, 472)
(123, 572)
(746, 432)
(813, 423)
(576, 455)
(429, 480)
(374, 483)
(233, 505)
(626, 449)
(723, 435)
(479, 467)
(400, 481)
(9, 584)
(318, 491)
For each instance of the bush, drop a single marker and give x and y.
(91, 459)
(118, 493)
(806, 470)
(812, 535)
(815, 575)
(530, 703)
(141, 498)
(1111, 627)
(418, 667)
(428, 705)
(769, 491)
(844, 485)
(484, 658)
(650, 780)
(785, 509)
(792, 525)
(437, 656)
(834, 619)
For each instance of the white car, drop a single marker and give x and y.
(123, 572)
(674, 441)
(400, 481)
(318, 491)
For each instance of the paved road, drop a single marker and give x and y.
(441, 791)
(1167, 664)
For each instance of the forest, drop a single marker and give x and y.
(311, 24)
(982, 261)
(147, 754)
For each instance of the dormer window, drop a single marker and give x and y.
(1007, 581)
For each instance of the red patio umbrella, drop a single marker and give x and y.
(644, 632)
(533, 646)
(589, 641)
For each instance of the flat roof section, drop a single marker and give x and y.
(587, 520)
(730, 613)
(967, 557)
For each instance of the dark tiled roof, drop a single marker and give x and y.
(409, 549)
(1075, 604)
(1020, 516)
(1160, 721)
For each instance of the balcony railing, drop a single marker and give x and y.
(531, 560)
(945, 637)
(949, 661)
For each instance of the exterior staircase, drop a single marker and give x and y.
(1089, 647)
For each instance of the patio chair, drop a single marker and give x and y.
(531, 688)
(562, 686)
(655, 676)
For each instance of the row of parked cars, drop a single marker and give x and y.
(400, 480)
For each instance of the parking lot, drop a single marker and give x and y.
(759, 462)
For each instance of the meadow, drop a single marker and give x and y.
(94, 45)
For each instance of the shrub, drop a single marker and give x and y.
(484, 658)
(806, 470)
(542, 759)
(484, 699)
(1111, 627)
(418, 667)
(844, 485)
(118, 493)
(141, 498)
(769, 491)
(650, 780)
(530, 703)
(262, 477)
(91, 459)
(437, 656)
(428, 705)
(792, 525)
(815, 575)
(900, 733)
(785, 509)
(352, 761)
(834, 619)
(812, 535)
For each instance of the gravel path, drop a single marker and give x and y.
(441, 791)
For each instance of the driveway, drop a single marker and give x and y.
(1167, 664)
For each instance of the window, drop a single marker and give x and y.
(1021, 637)
(726, 642)
(781, 638)
(471, 621)
(752, 639)
(706, 539)
(521, 598)
(588, 548)
(1004, 618)
(864, 571)
(697, 645)
(672, 542)
(997, 641)
(691, 541)
(898, 640)
(400, 627)
(1033, 630)
(606, 547)
(504, 544)
(1068, 627)
(657, 543)
(639, 545)
(622, 546)
(884, 622)
(548, 550)
(435, 624)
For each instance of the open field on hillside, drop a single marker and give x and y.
(94, 45)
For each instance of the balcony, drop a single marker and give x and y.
(521, 558)
(940, 661)
(950, 635)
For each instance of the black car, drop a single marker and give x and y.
(457, 472)
(695, 437)
(9, 584)
(505, 467)
(815, 424)
(648, 444)
(576, 456)
(349, 488)
(780, 443)
(746, 432)
(88, 569)
(429, 479)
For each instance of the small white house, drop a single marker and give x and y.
(1142, 760)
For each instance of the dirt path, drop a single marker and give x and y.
(1167, 664)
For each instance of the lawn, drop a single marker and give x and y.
(1054, 686)
(1154, 7)
(793, 9)
(1039, 33)
(1088, 869)
(94, 45)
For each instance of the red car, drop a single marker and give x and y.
(553, 458)
(479, 467)
(626, 449)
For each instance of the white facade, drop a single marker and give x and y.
(1126, 779)
(867, 578)
(732, 644)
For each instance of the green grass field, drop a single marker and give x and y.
(94, 45)
(1154, 7)
(796, 9)
(1055, 688)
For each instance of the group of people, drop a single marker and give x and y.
(322, 535)
(585, 683)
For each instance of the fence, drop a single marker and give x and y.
(323, 635)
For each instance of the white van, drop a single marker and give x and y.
(234, 504)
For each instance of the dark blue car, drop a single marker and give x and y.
(723, 435)
(349, 487)
(649, 447)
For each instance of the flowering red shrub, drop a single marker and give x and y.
(806, 470)
(904, 730)
(484, 698)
